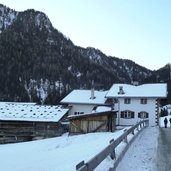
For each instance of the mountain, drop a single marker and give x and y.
(40, 64)
(7, 17)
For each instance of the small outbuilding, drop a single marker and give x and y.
(102, 121)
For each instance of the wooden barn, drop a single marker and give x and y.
(94, 122)
(24, 122)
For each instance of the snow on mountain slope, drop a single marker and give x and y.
(7, 17)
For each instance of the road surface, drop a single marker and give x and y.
(164, 150)
(142, 154)
(151, 151)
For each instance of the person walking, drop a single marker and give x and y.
(165, 122)
(170, 122)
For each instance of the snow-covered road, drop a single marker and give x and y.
(142, 154)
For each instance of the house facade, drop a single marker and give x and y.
(135, 103)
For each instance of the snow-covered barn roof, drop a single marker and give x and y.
(158, 90)
(84, 97)
(31, 112)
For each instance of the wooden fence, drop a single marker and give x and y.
(110, 149)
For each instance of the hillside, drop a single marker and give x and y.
(38, 63)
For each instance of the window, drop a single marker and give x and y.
(127, 114)
(143, 101)
(78, 113)
(127, 100)
(143, 115)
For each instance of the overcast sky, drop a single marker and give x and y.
(139, 30)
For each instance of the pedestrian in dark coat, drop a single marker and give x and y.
(170, 121)
(165, 122)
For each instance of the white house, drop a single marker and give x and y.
(135, 103)
(84, 101)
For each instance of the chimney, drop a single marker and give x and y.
(121, 91)
(92, 91)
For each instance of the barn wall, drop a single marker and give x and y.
(18, 131)
(92, 124)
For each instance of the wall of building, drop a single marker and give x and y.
(80, 109)
(19, 131)
(96, 123)
(89, 124)
(137, 107)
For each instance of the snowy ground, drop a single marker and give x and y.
(64, 153)
(141, 156)
(55, 154)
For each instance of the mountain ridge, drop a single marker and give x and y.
(40, 64)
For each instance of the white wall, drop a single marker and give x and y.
(137, 107)
(81, 108)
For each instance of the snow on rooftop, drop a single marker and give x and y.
(84, 97)
(102, 109)
(31, 112)
(158, 90)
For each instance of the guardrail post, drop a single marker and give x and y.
(79, 166)
(112, 154)
(125, 139)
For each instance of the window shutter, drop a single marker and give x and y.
(146, 115)
(139, 115)
(122, 114)
(132, 114)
